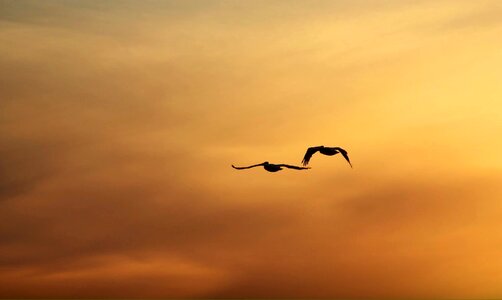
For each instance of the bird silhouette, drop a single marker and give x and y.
(326, 151)
(271, 167)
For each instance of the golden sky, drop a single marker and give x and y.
(119, 121)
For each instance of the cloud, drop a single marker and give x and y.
(115, 153)
(487, 16)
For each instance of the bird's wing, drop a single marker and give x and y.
(345, 154)
(293, 167)
(240, 168)
(309, 153)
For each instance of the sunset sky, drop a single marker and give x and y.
(119, 121)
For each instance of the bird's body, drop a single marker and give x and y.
(271, 167)
(330, 151)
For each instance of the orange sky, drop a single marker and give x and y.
(119, 121)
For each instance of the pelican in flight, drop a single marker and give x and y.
(271, 167)
(326, 151)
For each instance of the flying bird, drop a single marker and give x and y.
(271, 167)
(326, 151)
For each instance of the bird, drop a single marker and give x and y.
(326, 151)
(272, 167)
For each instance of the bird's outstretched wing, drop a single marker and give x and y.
(309, 153)
(241, 168)
(293, 167)
(345, 154)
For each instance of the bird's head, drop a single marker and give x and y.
(265, 163)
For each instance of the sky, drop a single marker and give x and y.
(119, 121)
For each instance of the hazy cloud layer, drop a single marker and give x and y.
(119, 122)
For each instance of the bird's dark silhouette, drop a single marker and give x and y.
(326, 151)
(271, 167)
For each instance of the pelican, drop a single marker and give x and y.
(271, 167)
(326, 151)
